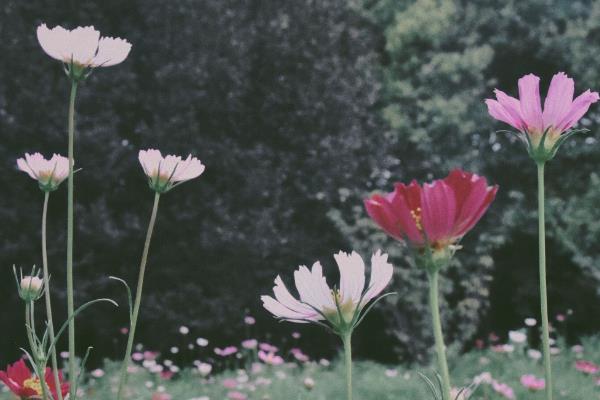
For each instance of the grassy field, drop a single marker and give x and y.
(288, 381)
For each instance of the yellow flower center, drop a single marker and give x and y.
(416, 214)
(346, 309)
(34, 384)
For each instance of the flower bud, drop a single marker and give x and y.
(31, 288)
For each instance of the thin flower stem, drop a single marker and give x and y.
(138, 298)
(39, 366)
(440, 347)
(347, 340)
(47, 296)
(543, 288)
(70, 301)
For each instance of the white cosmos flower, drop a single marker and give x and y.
(82, 46)
(49, 173)
(164, 173)
(318, 302)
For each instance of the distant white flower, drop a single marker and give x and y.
(517, 337)
(391, 373)
(49, 173)
(202, 342)
(164, 173)
(530, 322)
(309, 383)
(534, 354)
(174, 350)
(97, 373)
(204, 369)
(184, 330)
(82, 46)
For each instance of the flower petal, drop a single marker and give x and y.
(439, 210)
(559, 99)
(111, 51)
(381, 274)
(352, 276)
(579, 107)
(531, 108)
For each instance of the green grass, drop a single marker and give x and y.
(371, 380)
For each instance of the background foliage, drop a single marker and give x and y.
(299, 109)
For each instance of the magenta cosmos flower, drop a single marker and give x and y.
(164, 173)
(82, 46)
(533, 383)
(560, 113)
(436, 214)
(49, 173)
(342, 306)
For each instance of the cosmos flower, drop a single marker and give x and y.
(25, 385)
(164, 173)
(436, 214)
(532, 383)
(587, 367)
(82, 46)
(270, 358)
(49, 173)
(560, 113)
(340, 306)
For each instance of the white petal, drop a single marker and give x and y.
(352, 276)
(53, 41)
(111, 51)
(381, 274)
(279, 310)
(83, 44)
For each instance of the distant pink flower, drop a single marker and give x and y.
(318, 301)
(227, 351)
(503, 389)
(236, 396)
(270, 358)
(166, 375)
(250, 344)
(532, 383)
(269, 348)
(82, 46)
(161, 396)
(587, 367)
(229, 383)
(299, 355)
(437, 214)
(525, 114)
(49, 173)
(151, 355)
(164, 173)
(124, 331)
(249, 320)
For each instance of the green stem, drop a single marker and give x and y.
(347, 340)
(47, 296)
(543, 288)
(70, 301)
(440, 347)
(39, 365)
(138, 299)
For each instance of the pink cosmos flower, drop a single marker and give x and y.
(229, 383)
(270, 358)
(249, 344)
(319, 302)
(437, 214)
(269, 348)
(561, 112)
(236, 396)
(82, 46)
(299, 355)
(49, 173)
(587, 367)
(503, 389)
(164, 173)
(227, 351)
(532, 383)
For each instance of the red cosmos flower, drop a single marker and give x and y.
(19, 379)
(436, 214)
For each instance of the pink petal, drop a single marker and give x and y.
(111, 51)
(439, 210)
(531, 108)
(559, 99)
(579, 107)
